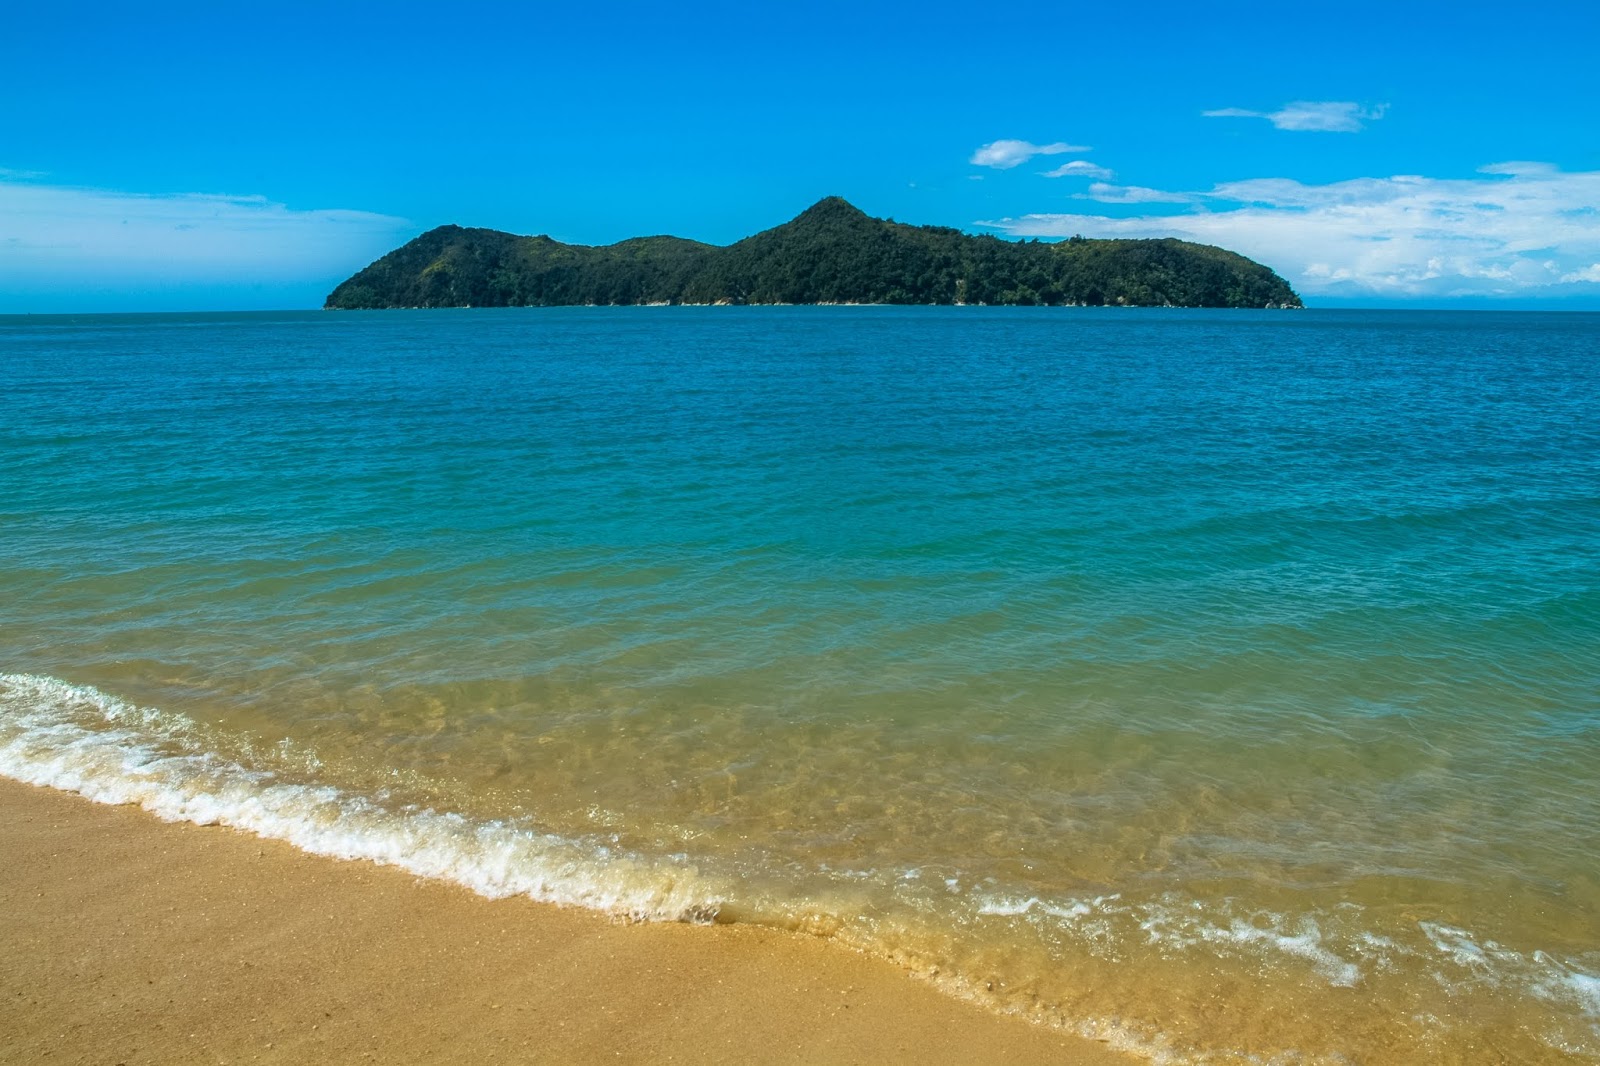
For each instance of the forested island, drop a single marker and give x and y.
(833, 253)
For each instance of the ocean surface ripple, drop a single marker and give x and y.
(1225, 685)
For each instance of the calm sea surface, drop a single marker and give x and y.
(1216, 683)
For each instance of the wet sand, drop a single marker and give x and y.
(131, 940)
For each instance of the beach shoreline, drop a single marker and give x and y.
(135, 940)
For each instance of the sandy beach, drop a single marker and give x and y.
(131, 940)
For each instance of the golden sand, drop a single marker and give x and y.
(131, 940)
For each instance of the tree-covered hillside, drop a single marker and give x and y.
(832, 253)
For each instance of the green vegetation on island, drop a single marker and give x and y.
(832, 253)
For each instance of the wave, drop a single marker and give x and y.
(82, 740)
(1452, 957)
(79, 739)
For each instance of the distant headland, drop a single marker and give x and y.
(832, 253)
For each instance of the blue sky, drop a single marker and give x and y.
(208, 156)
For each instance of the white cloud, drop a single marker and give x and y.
(1132, 194)
(1079, 168)
(1517, 229)
(108, 240)
(1326, 116)
(1003, 155)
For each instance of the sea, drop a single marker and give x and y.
(1221, 685)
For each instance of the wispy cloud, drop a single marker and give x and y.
(1325, 116)
(1133, 194)
(1079, 168)
(1003, 155)
(112, 241)
(1514, 229)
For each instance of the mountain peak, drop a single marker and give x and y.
(832, 209)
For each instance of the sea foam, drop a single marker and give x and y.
(81, 740)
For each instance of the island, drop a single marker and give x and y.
(832, 253)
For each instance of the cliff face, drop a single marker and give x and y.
(831, 253)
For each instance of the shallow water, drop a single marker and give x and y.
(1222, 684)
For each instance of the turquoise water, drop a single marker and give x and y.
(1220, 684)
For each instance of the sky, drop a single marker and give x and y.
(215, 156)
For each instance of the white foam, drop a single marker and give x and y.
(1585, 988)
(1457, 945)
(81, 740)
(1176, 925)
(1304, 942)
(1067, 910)
(1563, 981)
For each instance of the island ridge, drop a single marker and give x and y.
(833, 253)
